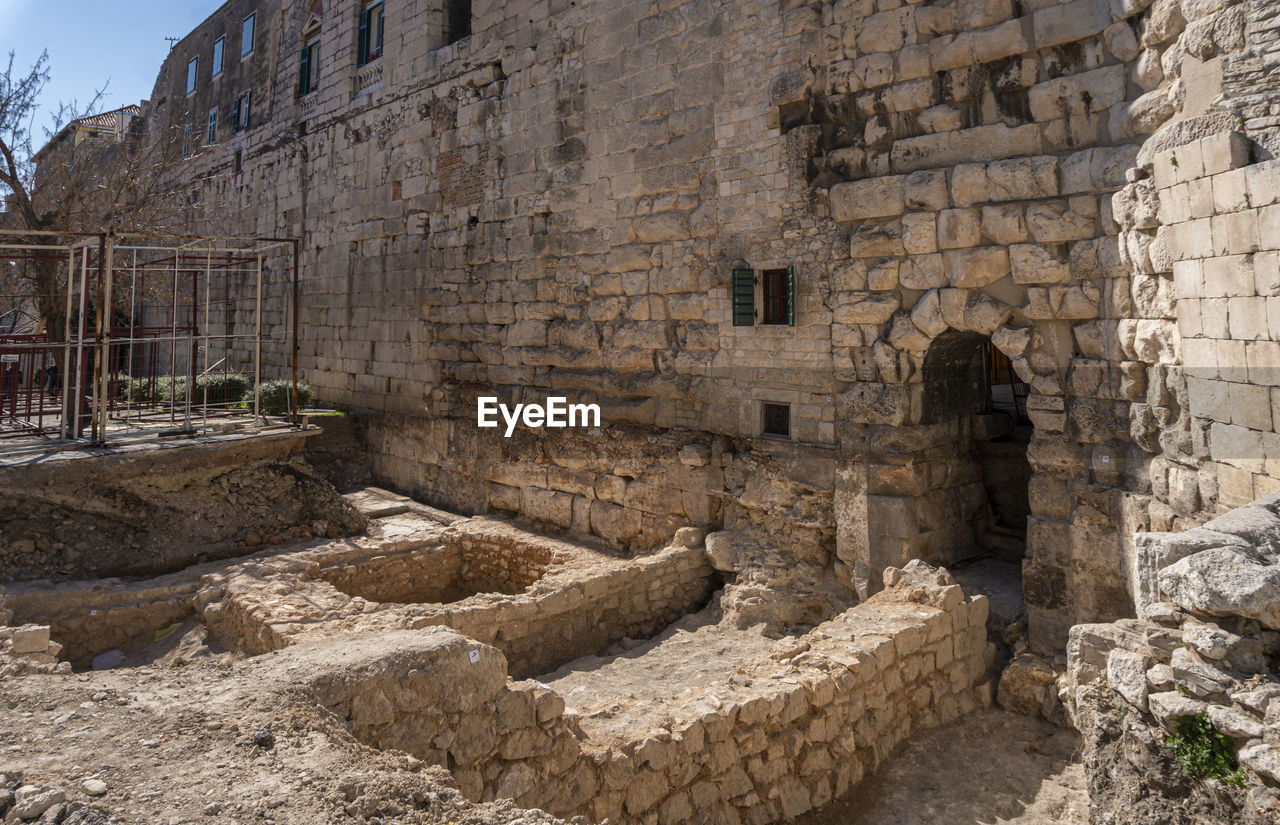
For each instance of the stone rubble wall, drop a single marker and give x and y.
(583, 601)
(816, 719)
(151, 509)
(1206, 643)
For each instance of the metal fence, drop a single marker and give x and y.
(105, 337)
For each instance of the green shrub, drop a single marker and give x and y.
(221, 389)
(216, 389)
(154, 390)
(1204, 751)
(274, 396)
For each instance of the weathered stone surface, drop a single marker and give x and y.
(1223, 582)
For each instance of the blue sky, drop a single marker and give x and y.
(91, 42)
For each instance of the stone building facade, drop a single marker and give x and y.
(596, 199)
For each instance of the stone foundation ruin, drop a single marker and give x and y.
(875, 296)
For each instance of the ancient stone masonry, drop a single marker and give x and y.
(406, 637)
(557, 202)
(1205, 643)
(831, 705)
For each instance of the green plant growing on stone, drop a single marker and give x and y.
(1204, 751)
(1173, 161)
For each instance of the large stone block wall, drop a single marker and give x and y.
(812, 725)
(555, 204)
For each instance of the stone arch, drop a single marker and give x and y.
(948, 481)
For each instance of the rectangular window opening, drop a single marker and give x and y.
(213, 126)
(217, 55)
(238, 161)
(370, 34)
(309, 68)
(778, 295)
(776, 419)
(240, 113)
(193, 66)
(457, 20)
(186, 142)
(246, 35)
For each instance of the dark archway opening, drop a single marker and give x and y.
(968, 381)
(967, 378)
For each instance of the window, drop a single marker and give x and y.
(192, 65)
(246, 35)
(238, 162)
(240, 112)
(217, 55)
(775, 419)
(457, 20)
(186, 142)
(309, 68)
(369, 39)
(213, 126)
(777, 294)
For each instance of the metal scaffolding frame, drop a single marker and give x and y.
(148, 323)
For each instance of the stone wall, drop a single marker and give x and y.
(809, 727)
(581, 600)
(1206, 644)
(1200, 270)
(556, 204)
(539, 601)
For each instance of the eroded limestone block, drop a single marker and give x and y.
(1225, 582)
(30, 638)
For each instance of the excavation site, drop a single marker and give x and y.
(640, 412)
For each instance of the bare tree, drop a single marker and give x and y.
(124, 185)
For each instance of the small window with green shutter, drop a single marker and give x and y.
(778, 293)
(309, 68)
(743, 293)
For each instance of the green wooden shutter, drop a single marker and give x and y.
(244, 112)
(381, 28)
(744, 297)
(304, 71)
(791, 295)
(362, 41)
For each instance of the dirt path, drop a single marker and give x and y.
(994, 768)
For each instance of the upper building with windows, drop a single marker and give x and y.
(218, 81)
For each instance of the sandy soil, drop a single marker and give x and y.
(184, 744)
(993, 768)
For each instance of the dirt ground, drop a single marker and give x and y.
(640, 685)
(992, 768)
(205, 741)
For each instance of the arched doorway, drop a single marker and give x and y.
(969, 387)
